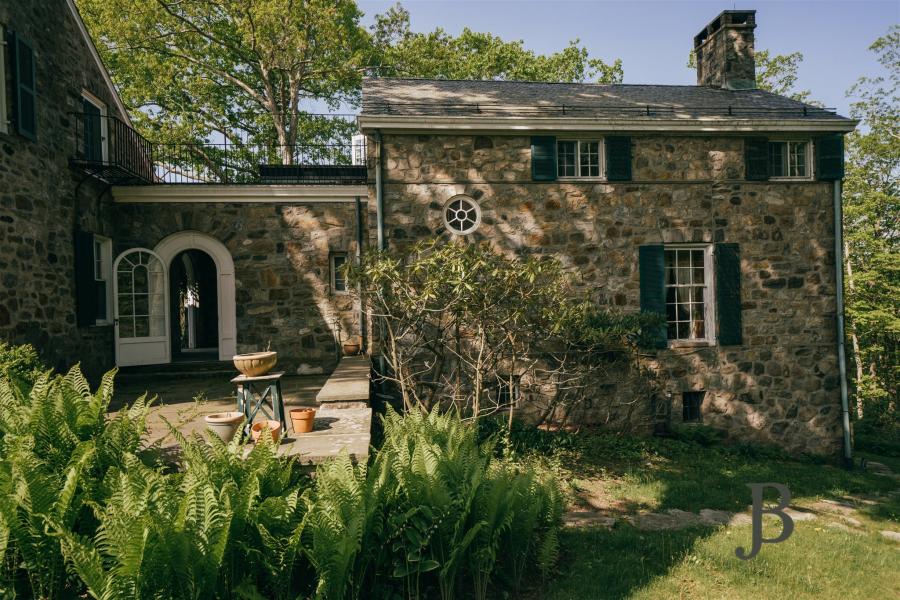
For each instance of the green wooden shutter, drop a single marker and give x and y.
(728, 294)
(85, 288)
(543, 158)
(618, 158)
(756, 158)
(22, 61)
(830, 157)
(651, 262)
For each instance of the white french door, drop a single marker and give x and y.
(142, 323)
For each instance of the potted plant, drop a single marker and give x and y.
(224, 424)
(351, 346)
(255, 364)
(302, 419)
(273, 427)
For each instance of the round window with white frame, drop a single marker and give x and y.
(462, 215)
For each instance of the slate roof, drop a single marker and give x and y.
(441, 97)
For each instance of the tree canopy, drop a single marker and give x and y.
(474, 55)
(253, 70)
(872, 234)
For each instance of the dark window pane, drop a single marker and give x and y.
(100, 289)
(691, 403)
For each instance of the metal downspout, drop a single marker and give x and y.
(842, 354)
(379, 191)
(359, 247)
(379, 226)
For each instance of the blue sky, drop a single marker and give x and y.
(653, 38)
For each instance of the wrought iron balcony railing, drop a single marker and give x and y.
(110, 149)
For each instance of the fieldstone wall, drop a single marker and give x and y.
(781, 385)
(281, 256)
(42, 200)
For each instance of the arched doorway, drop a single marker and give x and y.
(194, 306)
(199, 253)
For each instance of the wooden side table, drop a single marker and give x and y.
(263, 393)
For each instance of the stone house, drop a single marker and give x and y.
(711, 204)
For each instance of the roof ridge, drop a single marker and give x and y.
(502, 81)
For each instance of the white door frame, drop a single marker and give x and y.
(172, 245)
(161, 345)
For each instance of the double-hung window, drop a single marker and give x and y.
(790, 158)
(338, 273)
(689, 293)
(579, 158)
(102, 278)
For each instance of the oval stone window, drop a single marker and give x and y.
(462, 215)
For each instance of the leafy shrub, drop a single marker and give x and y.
(20, 364)
(874, 436)
(523, 438)
(702, 435)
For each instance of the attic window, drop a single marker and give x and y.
(462, 215)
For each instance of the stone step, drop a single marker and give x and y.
(181, 369)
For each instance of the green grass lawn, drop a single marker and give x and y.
(824, 558)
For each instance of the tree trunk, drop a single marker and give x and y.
(854, 338)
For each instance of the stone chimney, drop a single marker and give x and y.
(724, 51)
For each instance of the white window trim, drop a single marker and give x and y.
(106, 259)
(333, 268)
(471, 201)
(4, 123)
(709, 296)
(601, 157)
(810, 163)
(104, 128)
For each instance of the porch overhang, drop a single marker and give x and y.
(238, 194)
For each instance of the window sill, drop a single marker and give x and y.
(587, 179)
(790, 179)
(690, 343)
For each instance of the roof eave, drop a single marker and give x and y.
(411, 124)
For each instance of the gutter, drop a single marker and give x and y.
(842, 354)
(379, 191)
(685, 124)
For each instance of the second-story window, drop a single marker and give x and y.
(579, 158)
(789, 159)
(93, 128)
(3, 117)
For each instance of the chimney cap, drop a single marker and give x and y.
(727, 18)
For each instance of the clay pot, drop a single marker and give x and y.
(224, 424)
(274, 428)
(351, 348)
(255, 364)
(302, 419)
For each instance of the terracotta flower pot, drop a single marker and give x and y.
(302, 419)
(351, 349)
(273, 427)
(224, 424)
(255, 364)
